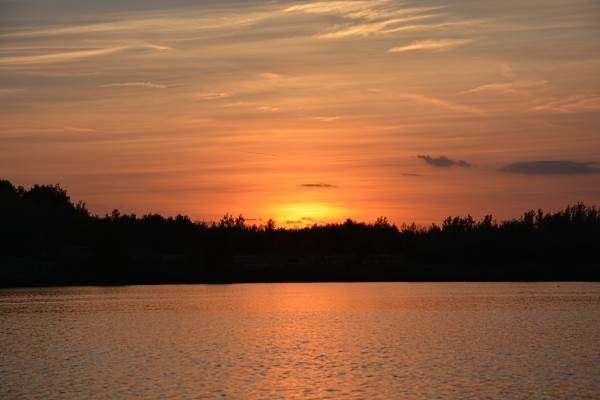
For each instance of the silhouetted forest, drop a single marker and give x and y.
(49, 240)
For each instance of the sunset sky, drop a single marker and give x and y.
(304, 111)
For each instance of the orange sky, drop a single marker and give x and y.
(304, 111)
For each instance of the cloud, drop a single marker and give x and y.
(410, 174)
(347, 8)
(373, 10)
(303, 220)
(161, 24)
(436, 26)
(268, 109)
(508, 87)
(371, 28)
(74, 55)
(382, 13)
(551, 168)
(364, 18)
(213, 95)
(446, 105)
(506, 70)
(79, 129)
(271, 76)
(258, 153)
(328, 119)
(571, 104)
(149, 85)
(370, 10)
(434, 45)
(239, 103)
(443, 161)
(10, 91)
(319, 185)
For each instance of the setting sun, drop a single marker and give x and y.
(303, 214)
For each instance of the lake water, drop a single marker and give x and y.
(302, 341)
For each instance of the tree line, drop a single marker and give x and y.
(47, 239)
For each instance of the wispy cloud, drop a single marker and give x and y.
(363, 18)
(319, 186)
(508, 87)
(443, 104)
(352, 9)
(443, 161)
(271, 76)
(372, 10)
(213, 95)
(10, 91)
(74, 55)
(433, 45)
(571, 104)
(150, 85)
(165, 23)
(436, 26)
(328, 119)
(268, 108)
(371, 28)
(506, 70)
(551, 168)
(79, 129)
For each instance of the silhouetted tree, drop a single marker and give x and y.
(46, 239)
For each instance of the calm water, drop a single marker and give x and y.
(269, 341)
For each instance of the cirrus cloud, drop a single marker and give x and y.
(441, 103)
(77, 55)
(571, 104)
(213, 96)
(150, 85)
(432, 45)
(509, 87)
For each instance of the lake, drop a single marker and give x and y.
(302, 341)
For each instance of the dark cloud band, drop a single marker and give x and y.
(319, 185)
(550, 168)
(443, 161)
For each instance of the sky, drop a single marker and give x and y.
(305, 112)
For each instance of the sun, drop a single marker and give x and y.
(306, 213)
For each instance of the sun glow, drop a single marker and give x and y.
(302, 214)
(303, 111)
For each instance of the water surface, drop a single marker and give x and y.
(302, 341)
